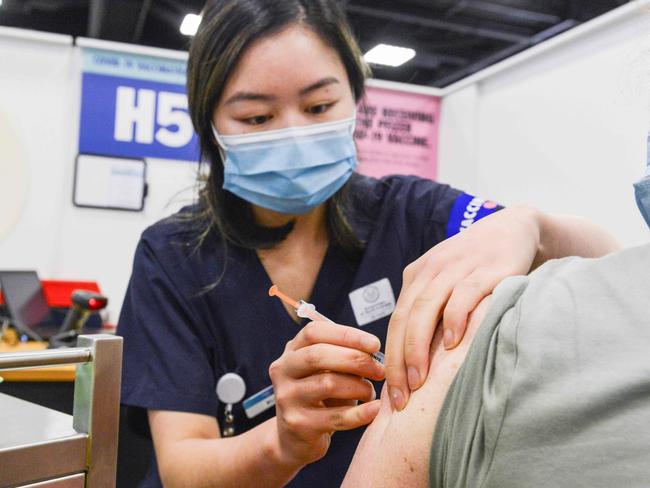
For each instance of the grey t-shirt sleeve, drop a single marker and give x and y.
(555, 390)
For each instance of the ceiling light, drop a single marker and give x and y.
(190, 24)
(389, 55)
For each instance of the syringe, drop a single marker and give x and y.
(308, 311)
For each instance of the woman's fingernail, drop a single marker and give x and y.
(449, 339)
(414, 378)
(397, 398)
(372, 409)
(370, 342)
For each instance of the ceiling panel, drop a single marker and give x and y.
(452, 38)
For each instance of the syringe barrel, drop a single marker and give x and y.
(308, 311)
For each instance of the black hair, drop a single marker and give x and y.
(227, 28)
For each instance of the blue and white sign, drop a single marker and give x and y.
(136, 107)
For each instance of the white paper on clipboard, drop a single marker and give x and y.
(109, 182)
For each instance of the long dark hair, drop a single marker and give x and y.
(227, 29)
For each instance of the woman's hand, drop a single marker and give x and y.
(447, 283)
(318, 382)
(450, 280)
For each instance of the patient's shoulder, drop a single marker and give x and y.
(395, 448)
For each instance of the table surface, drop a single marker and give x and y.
(25, 423)
(65, 372)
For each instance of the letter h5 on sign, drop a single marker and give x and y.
(135, 118)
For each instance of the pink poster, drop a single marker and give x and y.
(397, 133)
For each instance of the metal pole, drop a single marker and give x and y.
(96, 17)
(97, 406)
(35, 359)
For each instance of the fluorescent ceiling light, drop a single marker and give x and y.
(389, 55)
(190, 24)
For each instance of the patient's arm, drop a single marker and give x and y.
(395, 449)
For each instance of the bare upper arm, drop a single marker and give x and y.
(395, 449)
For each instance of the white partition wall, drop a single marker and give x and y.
(563, 128)
(568, 131)
(38, 94)
(458, 152)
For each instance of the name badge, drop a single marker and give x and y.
(372, 302)
(259, 402)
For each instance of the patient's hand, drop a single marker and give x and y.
(395, 449)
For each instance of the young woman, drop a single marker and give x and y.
(273, 86)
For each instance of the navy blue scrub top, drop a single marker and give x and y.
(179, 339)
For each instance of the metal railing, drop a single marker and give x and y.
(95, 418)
(53, 357)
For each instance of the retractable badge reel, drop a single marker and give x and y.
(230, 390)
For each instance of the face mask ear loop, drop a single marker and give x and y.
(220, 144)
(354, 120)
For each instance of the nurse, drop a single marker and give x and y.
(273, 86)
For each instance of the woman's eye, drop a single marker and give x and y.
(257, 120)
(319, 109)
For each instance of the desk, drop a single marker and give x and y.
(52, 373)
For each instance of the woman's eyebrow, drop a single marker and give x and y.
(319, 84)
(261, 97)
(249, 96)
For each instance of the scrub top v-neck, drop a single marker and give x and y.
(318, 282)
(182, 332)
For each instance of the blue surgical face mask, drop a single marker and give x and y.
(642, 190)
(289, 170)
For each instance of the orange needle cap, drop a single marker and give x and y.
(274, 291)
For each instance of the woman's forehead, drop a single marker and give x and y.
(286, 62)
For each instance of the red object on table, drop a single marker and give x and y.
(58, 292)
